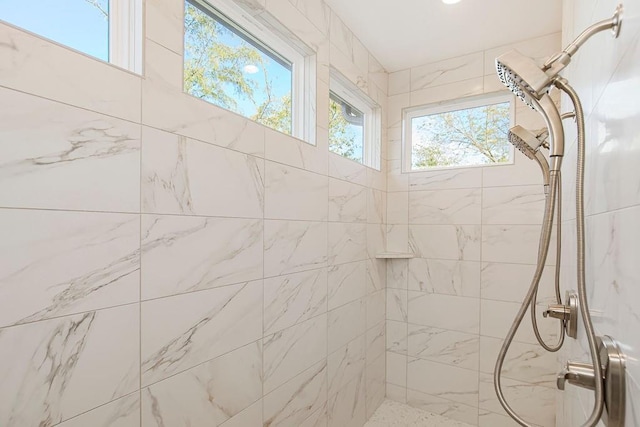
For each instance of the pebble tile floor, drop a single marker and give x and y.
(394, 414)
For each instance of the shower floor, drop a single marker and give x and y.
(394, 414)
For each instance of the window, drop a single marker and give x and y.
(241, 65)
(462, 133)
(354, 123)
(109, 30)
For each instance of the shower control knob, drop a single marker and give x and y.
(567, 313)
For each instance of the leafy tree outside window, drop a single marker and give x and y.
(464, 137)
(230, 69)
(346, 129)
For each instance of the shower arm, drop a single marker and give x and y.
(559, 61)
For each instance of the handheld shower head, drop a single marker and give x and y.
(529, 144)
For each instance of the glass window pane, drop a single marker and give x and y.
(80, 24)
(473, 136)
(346, 129)
(227, 67)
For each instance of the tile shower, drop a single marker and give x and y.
(165, 262)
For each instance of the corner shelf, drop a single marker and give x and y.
(395, 255)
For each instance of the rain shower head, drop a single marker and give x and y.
(529, 144)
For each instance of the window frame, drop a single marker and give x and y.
(408, 114)
(344, 89)
(275, 42)
(125, 35)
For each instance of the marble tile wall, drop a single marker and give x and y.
(165, 262)
(605, 74)
(474, 232)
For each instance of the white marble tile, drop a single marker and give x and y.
(292, 193)
(376, 206)
(347, 242)
(318, 419)
(250, 417)
(513, 205)
(523, 172)
(447, 71)
(55, 156)
(316, 11)
(396, 369)
(340, 35)
(347, 282)
(183, 331)
(510, 282)
(345, 364)
(397, 304)
(375, 337)
(198, 119)
(448, 91)
(122, 412)
(298, 399)
(164, 22)
(56, 369)
(443, 346)
(448, 277)
(292, 350)
(210, 393)
(445, 207)
(294, 298)
(347, 202)
(61, 263)
(347, 170)
(347, 407)
(446, 179)
(451, 413)
(454, 242)
(290, 151)
(535, 404)
(396, 334)
(346, 323)
(497, 317)
(444, 381)
(376, 240)
(375, 385)
(444, 311)
(376, 273)
(398, 207)
(524, 362)
(395, 393)
(397, 273)
(292, 24)
(399, 82)
(375, 308)
(514, 244)
(38, 66)
(293, 246)
(178, 175)
(184, 254)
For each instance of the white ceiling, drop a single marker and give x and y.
(407, 33)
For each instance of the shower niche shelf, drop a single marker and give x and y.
(395, 255)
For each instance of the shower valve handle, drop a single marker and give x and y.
(579, 374)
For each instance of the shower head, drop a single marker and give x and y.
(526, 141)
(529, 144)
